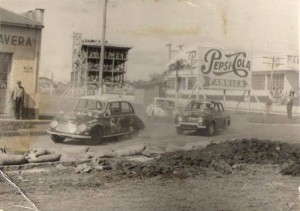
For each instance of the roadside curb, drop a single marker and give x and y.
(45, 164)
(23, 133)
(274, 124)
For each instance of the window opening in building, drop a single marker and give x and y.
(5, 66)
(258, 82)
(278, 81)
(182, 83)
(171, 83)
(191, 82)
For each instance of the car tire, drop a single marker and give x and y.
(153, 115)
(179, 131)
(133, 131)
(96, 135)
(57, 139)
(225, 124)
(211, 129)
(228, 123)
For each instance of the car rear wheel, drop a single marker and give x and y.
(133, 131)
(153, 115)
(225, 124)
(57, 139)
(96, 135)
(211, 129)
(179, 131)
(228, 123)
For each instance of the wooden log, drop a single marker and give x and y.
(45, 158)
(6, 159)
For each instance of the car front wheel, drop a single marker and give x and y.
(211, 129)
(179, 131)
(96, 135)
(133, 131)
(57, 139)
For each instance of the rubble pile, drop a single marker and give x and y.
(245, 151)
(293, 170)
(224, 158)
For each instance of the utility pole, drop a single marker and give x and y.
(52, 84)
(180, 46)
(170, 51)
(102, 49)
(275, 62)
(169, 45)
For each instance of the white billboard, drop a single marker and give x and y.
(224, 69)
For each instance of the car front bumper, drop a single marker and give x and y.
(189, 125)
(68, 135)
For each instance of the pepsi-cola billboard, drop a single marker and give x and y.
(220, 69)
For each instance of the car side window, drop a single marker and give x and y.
(172, 104)
(126, 108)
(216, 108)
(221, 107)
(81, 104)
(91, 105)
(114, 108)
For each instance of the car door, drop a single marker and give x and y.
(127, 113)
(218, 116)
(113, 117)
(150, 108)
(223, 114)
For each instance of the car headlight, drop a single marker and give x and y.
(53, 124)
(200, 120)
(82, 128)
(179, 118)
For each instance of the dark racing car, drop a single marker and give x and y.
(96, 118)
(202, 115)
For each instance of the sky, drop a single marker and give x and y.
(263, 27)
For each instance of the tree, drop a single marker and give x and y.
(156, 76)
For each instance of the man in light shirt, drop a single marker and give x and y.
(17, 97)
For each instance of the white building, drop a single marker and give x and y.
(283, 69)
(20, 44)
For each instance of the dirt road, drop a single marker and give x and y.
(253, 187)
(159, 133)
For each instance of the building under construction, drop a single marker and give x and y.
(86, 66)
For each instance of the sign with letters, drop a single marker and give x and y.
(15, 40)
(187, 59)
(220, 69)
(292, 62)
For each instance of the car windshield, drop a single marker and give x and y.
(194, 106)
(88, 105)
(165, 103)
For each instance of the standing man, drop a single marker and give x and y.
(289, 105)
(17, 97)
(269, 103)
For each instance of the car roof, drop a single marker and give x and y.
(205, 101)
(105, 98)
(161, 98)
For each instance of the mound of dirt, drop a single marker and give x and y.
(293, 170)
(224, 157)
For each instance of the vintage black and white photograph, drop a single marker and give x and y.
(149, 105)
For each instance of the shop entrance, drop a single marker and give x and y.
(5, 67)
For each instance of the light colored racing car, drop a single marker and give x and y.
(161, 108)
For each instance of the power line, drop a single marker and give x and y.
(275, 61)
